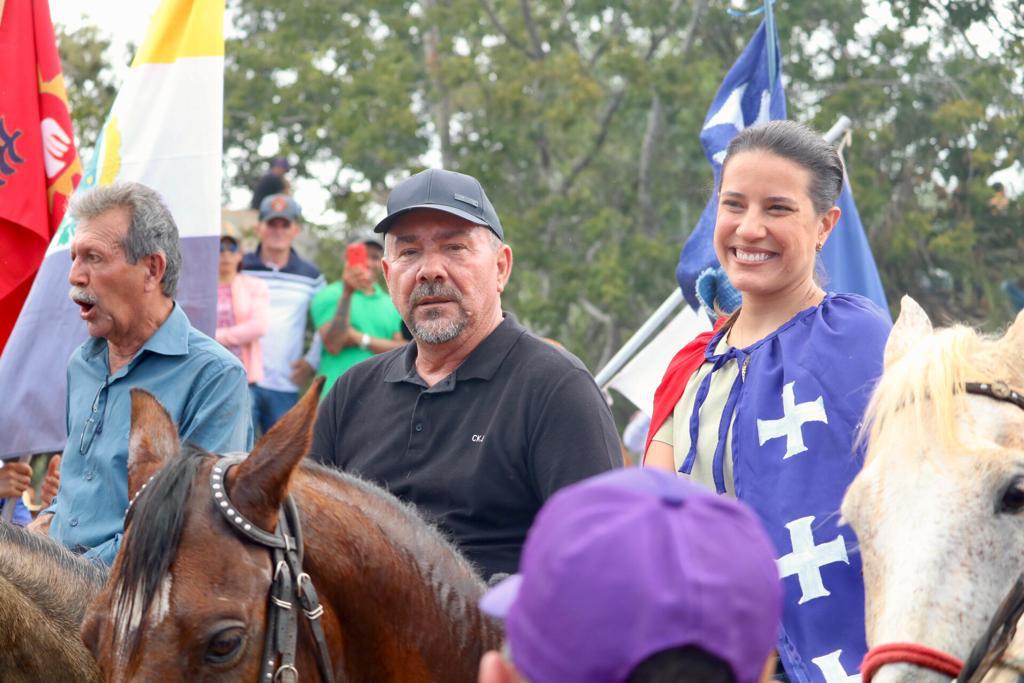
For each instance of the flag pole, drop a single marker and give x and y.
(669, 305)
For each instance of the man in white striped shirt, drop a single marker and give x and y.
(292, 281)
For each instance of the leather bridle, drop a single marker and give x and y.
(988, 651)
(290, 589)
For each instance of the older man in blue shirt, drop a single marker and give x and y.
(125, 265)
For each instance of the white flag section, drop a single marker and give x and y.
(165, 131)
(640, 377)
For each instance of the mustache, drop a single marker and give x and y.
(81, 296)
(434, 289)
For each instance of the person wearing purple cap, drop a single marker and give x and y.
(271, 182)
(639, 576)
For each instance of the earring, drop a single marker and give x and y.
(818, 247)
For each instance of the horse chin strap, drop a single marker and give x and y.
(290, 588)
(909, 653)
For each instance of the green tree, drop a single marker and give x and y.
(85, 56)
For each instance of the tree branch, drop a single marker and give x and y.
(537, 48)
(645, 203)
(604, 126)
(493, 16)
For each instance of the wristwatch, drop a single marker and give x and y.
(364, 343)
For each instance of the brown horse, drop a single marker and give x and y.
(44, 590)
(187, 598)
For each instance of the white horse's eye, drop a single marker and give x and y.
(1012, 500)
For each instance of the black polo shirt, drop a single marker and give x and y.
(480, 451)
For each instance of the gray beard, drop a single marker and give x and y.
(437, 330)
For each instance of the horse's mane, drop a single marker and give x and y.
(159, 512)
(927, 383)
(58, 582)
(452, 578)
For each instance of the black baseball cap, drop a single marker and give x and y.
(455, 193)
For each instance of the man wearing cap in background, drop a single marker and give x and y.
(355, 318)
(292, 281)
(477, 422)
(639, 576)
(271, 182)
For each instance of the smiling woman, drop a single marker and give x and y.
(766, 406)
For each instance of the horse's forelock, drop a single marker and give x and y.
(156, 519)
(927, 386)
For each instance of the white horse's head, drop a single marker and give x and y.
(939, 505)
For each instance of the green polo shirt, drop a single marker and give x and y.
(371, 314)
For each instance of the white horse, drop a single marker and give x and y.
(939, 505)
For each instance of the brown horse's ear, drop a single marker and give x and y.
(260, 483)
(910, 326)
(152, 442)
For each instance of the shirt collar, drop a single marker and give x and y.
(288, 267)
(170, 339)
(482, 363)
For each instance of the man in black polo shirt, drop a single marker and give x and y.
(478, 422)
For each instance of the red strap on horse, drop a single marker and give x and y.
(908, 653)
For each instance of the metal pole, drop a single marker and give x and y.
(669, 305)
(664, 312)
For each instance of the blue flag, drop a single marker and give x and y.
(752, 93)
(849, 265)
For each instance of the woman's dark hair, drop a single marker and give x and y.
(801, 145)
(686, 664)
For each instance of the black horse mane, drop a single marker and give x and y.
(147, 555)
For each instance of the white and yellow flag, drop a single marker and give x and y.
(164, 130)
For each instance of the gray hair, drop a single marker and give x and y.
(804, 147)
(495, 241)
(151, 227)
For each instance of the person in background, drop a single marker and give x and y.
(243, 306)
(292, 281)
(477, 422)
(355, 318)
(767, 406)
(125, 266)
(271, 182)
(637, 576)
(999, 203)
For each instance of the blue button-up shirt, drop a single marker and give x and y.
(202, 386)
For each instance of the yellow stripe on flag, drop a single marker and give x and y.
(183, 28)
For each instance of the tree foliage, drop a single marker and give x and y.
(581, 119)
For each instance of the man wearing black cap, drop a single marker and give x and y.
(478, 422)
(292, 281)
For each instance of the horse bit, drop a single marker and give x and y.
(290, 587)
(988, 651)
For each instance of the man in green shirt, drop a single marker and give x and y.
(355, 317)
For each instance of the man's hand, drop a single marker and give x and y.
(356, 278)
(52, 481)
(15, 477)
(302, 372)
(41, 524)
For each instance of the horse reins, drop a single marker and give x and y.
(290, 587)
(989, 649)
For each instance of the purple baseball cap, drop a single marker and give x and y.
(632, 562)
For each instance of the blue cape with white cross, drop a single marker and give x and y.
(797, 408)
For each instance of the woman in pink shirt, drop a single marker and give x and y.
(243, 304)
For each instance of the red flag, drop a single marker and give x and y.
(39, 165)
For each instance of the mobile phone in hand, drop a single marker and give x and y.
(355, 255)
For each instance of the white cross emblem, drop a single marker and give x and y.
(790, 425)
(731, 113)
(833, 670)
(807, 559)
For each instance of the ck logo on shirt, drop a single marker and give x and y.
(479, 438)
